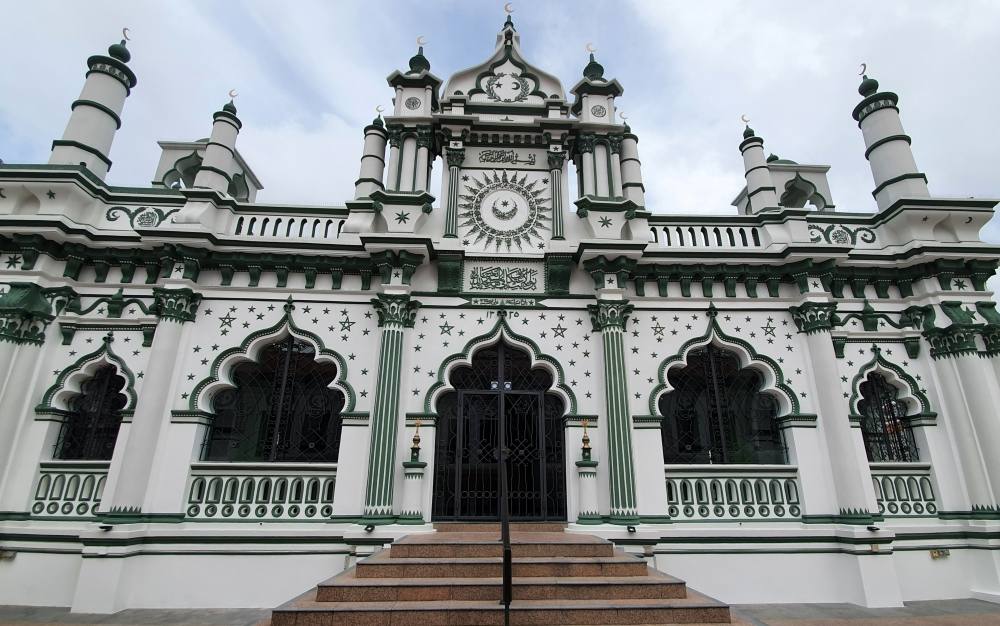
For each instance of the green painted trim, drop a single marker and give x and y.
(286, 320)
(490, 336)
(99, 107)
(897, 179)
(878, 360)
(883, 140)
(105, 350)
(82, 146)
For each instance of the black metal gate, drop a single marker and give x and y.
(500, 402)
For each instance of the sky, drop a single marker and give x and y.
(310, 73)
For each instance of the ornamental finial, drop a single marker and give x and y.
(415, 450)
(586, 441)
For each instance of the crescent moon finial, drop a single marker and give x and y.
(421, 43)
(744, 118)
(507, 8)
(125, 32)
(591, 48)
(379, 109)
(864, 68)
(232, 93)
(623, 116)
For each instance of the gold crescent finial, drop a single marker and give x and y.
(744, 118)
(379, 109)
(421, 43)
(232, 93)
(622, 115)
(591, 48)
(864, 68)
(507, 8)
(125, 32)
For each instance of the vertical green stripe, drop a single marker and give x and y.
(621, 466)
(385, 414)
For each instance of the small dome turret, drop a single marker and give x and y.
(419, 63)
(229, 107)
(594, 70)
(868, 86)
(748, 133)
(120, 52)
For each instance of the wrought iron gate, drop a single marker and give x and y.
(500, 402)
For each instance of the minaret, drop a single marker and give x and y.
(760, 188)
(372, 160)
(96, 114)
(214, 170)
(631, 167)
(887, 147)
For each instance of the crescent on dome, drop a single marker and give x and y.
(501, 214)
(507, 8)
(232, 93)
(864, 68)
(421, 43)
(591, 48)
(125, 32)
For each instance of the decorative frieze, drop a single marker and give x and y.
(176, 305)
(25, 314)
(814, 317)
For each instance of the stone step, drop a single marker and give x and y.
(347, 587)
(483, 544)
(694, 609)
(382, 565)
(494, 527)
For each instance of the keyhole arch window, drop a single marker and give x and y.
(91, 427)
(281, 409)
(886, 431)
(718, 413)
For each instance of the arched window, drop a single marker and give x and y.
(886, 432)
(91, 428)
(281, 409)
(718, 414)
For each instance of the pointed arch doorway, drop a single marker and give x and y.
(500, 401)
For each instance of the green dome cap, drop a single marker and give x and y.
(868, 86)
(229, 107)
(594, 70)
(419, 63)
(748, 133)
(120, 52)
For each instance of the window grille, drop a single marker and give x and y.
(888, 436)
(91, 428)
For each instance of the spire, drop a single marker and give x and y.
(594, 70)
(419, 63)
(508, 24)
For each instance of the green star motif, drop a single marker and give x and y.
(605, 222)
(401, 217)
(446, 328)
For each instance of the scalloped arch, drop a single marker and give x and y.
(748, 357)
(249, 349)
(916, 402)
(501, 330)
(70, 380)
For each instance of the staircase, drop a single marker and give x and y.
(453, 577)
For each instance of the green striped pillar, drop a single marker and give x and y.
(609, 317)
(395, 313)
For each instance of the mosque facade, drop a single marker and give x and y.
(206, 401)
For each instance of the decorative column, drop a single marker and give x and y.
(130, 485)
(632, 186)
(97, 113)
(423, 158)
(761, 192)
(609, 317)
(220, 150)
(588, 140)
(615, 139)
(815, 319)
(396, 311)
(556, 160)
(372, 160)
(413, 483)
(395, 147)
(456, 156)
(587, 472)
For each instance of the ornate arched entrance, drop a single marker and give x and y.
(500, 401)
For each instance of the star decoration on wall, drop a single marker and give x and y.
(401, 217)
(559, 331)
(13, 260)
(446, 328)
(227, 321)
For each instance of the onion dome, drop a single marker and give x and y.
(419, 63)
(594, 70)
(229, 107)
(868, 86)
(378, 122)
(120, 52)
(772, 158)
(748, 133)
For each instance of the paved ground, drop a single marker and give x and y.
(935, 613)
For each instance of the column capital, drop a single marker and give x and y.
(395, 134)
(814, 317)
(424, 136)
(588, 139)
(615, 139)
(25, 314)
(556, 160)
(456, 156)
(176, 305)
(609, 314)
(395, 310)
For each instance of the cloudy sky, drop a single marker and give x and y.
(311, 73)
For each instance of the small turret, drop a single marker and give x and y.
(372, 160)
(761, 193)
(215, 170)
(97, 113)
(887, 147)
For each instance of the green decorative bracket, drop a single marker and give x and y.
(600, 267)
(815, 317)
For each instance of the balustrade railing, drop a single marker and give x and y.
(69, 488)
(288, 226)
(903, 489)
(706, 236)
(726, 492)
(256, 491)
